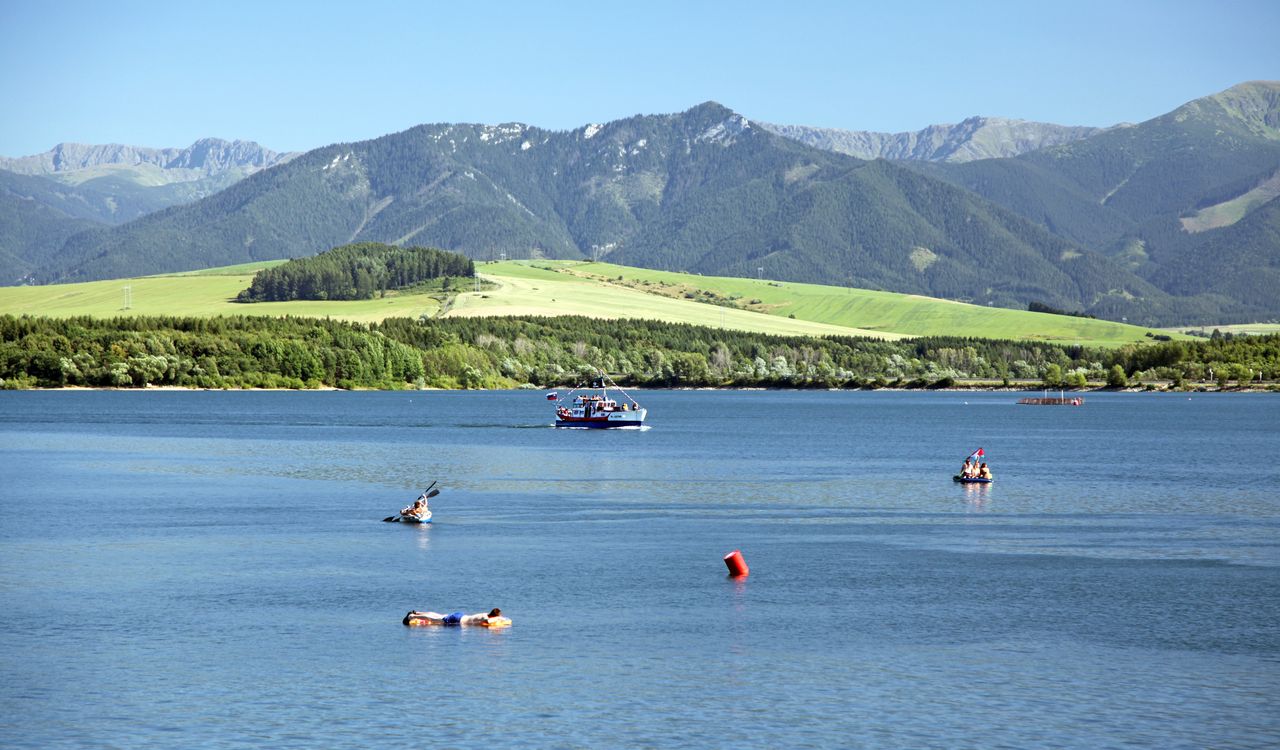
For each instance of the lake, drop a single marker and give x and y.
(210, 570)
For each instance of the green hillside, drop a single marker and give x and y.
(877, 312)
(36, 219)
(561, 288)
(197, 294)
(1187, 201)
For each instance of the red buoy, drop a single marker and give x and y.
(736, 565)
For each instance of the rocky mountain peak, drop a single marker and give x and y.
(205, 158)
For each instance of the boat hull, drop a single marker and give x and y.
(600, 424)
(416, 519)
(971, 480)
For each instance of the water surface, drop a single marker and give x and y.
(208, 569)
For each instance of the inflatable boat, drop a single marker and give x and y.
(424, 518)
(971, 480)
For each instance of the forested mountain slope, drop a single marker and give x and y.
(1187, 200)
(36, 219)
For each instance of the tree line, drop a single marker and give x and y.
(356, 271)
(290, 352)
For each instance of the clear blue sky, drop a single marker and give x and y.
(297, 76)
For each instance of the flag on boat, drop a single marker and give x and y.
(552, 396)
(978, 452)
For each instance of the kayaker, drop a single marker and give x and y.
(418, 509)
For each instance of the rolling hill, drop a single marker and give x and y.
(596, 290)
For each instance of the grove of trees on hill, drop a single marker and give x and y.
(357, 271)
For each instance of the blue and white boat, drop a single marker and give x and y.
(593, 407)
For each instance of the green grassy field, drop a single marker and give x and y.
(1248, 329)
(876, 312)
(199, 293)
(593, 290)
(529, 289)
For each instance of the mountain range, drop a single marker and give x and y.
(1169, 221)
(45, 198)
(114, 183)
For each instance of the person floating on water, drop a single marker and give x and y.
(454, 618)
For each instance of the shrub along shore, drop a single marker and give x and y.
(492, 353)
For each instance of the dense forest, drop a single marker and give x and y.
(356, 271)
(247, 352)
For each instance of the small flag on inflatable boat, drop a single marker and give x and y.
(551, 396)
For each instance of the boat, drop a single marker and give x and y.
(594, 407)
(1047, 400)
(424, 517)
(971, 480)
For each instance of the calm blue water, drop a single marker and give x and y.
(205, 569)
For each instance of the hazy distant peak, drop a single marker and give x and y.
(970, 139)
(205, 157)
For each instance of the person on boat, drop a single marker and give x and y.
(967, 471)
(418, 509)
(984, 472)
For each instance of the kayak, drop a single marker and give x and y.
(416, 519)
(971, 480)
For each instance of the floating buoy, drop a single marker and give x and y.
(736, 565)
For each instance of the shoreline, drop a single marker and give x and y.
(1267, 388)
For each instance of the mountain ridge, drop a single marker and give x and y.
(973, 138)
(205, 157)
